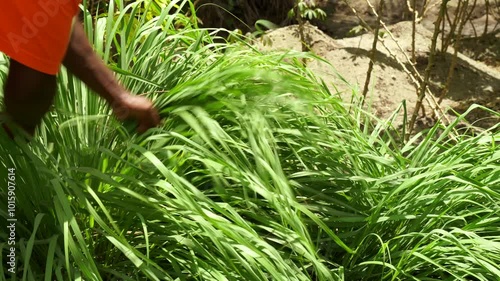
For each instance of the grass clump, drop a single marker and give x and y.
(257, 173)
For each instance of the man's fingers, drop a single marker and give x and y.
(156, 118)
(151, 121)
(144, 126)
(138, 108)
(142, 129)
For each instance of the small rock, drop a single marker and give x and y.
(488, 89)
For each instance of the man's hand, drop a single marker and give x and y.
(81, 60)
(138, 108)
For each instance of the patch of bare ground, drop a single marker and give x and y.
(477, 73)
(473, 82)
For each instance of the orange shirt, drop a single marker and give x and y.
(36, 32)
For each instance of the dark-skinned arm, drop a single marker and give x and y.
(81, 60)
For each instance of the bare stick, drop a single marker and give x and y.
(487, 3)
(414, 12)
(429, 67)
(372, 54)
(470, 15)
(428, 6)
(414, 69)
(463, 16)
(363, 22)
(413, 33)
(453, 25)
(414, 75)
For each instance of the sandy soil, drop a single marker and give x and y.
(474, 81)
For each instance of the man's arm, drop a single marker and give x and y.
(29, 93)
(81, 60)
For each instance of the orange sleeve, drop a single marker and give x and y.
(36, 32)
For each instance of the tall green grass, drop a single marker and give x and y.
(257, 173)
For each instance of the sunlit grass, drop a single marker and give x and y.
(257, 173)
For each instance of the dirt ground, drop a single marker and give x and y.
(477, 74)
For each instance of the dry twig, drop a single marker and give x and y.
(427, 74)
(372, 54)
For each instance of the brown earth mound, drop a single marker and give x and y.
(474, 82)
(476, 78)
